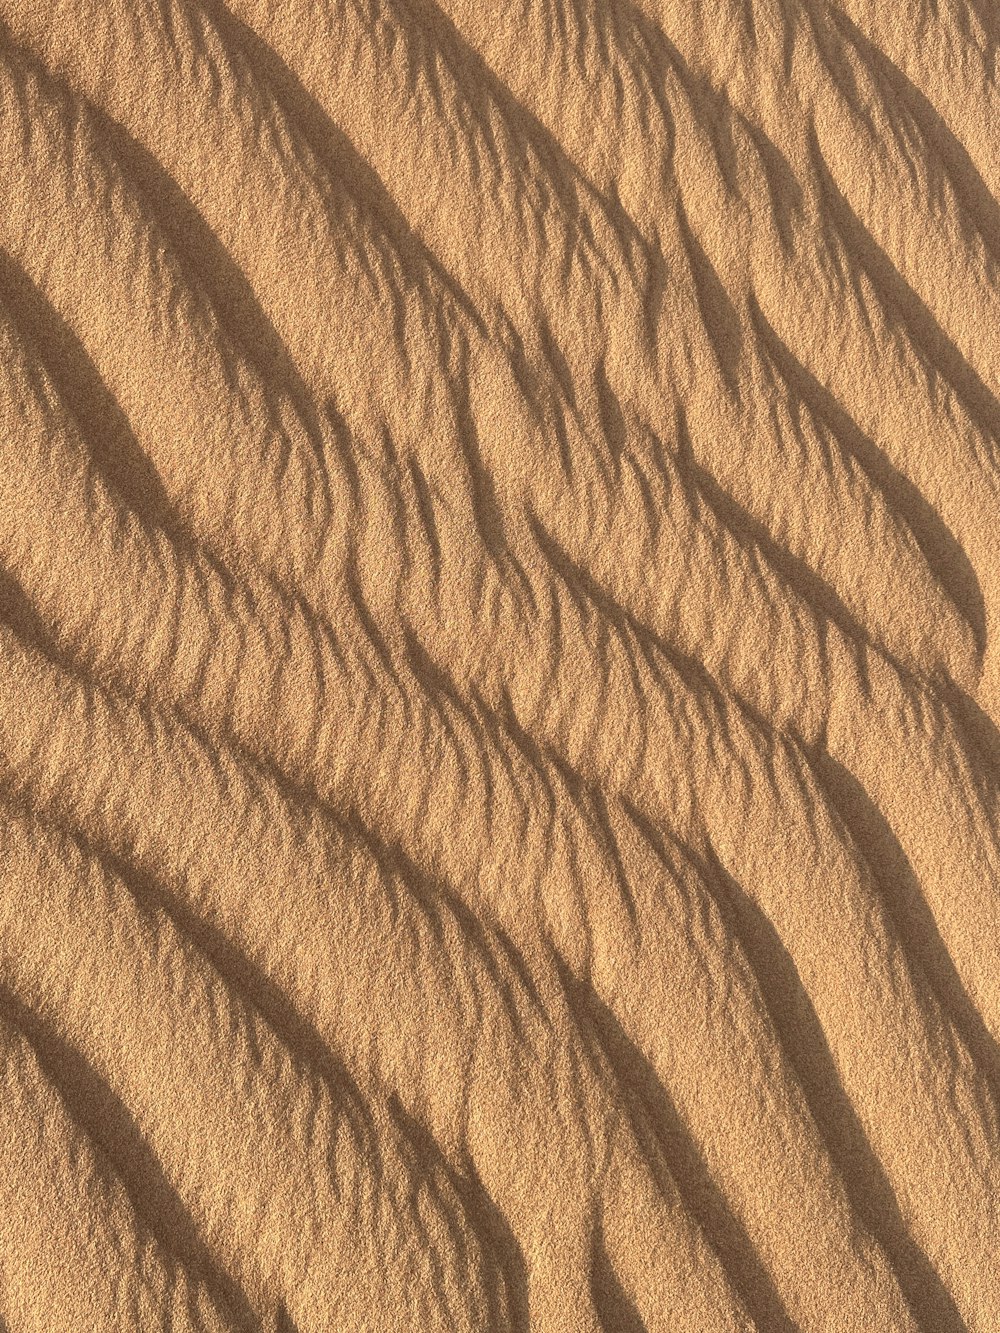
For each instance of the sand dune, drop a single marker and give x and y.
(499, 595)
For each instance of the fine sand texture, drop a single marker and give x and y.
(499, 621)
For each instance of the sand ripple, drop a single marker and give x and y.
(499, 594)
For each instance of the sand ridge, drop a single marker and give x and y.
(499, 766)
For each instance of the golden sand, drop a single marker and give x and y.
(499, 595)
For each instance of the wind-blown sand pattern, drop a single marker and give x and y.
(500, 548)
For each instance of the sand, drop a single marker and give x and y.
(499, 605)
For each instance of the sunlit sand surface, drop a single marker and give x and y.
(499, 605)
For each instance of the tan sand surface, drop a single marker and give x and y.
(499, 606)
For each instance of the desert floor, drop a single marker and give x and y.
(499, 621)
